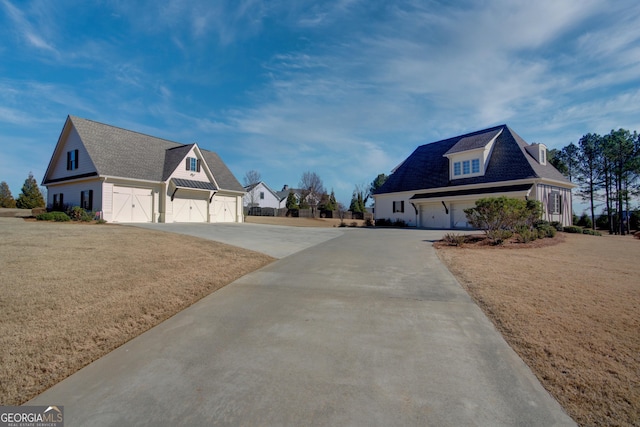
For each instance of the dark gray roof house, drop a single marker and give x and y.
(433, 186)
(127, 176)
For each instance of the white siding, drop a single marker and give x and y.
(543, 194)
(269, 200)
(182, 172)
(384, 208)
(59, 166)
(71, 192)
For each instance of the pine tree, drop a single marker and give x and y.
(6, 198)
(292, 203)
(31, 197)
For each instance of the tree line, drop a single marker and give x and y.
(606, 169)
(30, 197)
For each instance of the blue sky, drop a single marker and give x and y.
(345, 88)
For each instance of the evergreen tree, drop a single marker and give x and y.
(333, 203)
(31, 197)
(292, 203)
(6, 198)
(377, 183)
(589, 165)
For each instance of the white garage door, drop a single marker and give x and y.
(434, 215)
(458, 216)
(224, 208)
(132, 204)
(190, 210)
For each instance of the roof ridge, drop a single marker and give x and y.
(465, 135)
(72, 117)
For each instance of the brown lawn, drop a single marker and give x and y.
(572, 312)
(302, 222)
(71, 293)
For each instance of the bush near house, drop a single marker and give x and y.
(53, 216)
(502, 217)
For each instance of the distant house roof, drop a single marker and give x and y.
(249, 188)
(123, 153)
(427, 168)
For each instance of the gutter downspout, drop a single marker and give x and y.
(416, 210)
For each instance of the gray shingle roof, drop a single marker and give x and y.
(189, 183)
(474, 141)
(426, 168)
(123, 153)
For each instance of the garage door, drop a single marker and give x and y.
(189, 210)
(458, 217)
(224, 208)
(132, 204)
(434, 215)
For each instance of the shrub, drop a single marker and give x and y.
(585, 221)
(526, 234)
(545, 229)
(353, 224)
(499, 217)
(572, 229)
(383, 222)
(368, 222)
(557, 225)
(53, 216)
(76, 213)
(591, 232)
(342, 224)
(101, 221)
(453, 239)
(399, 223)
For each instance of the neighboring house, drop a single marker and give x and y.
(434, 185)
(132, 177)
(260, 195)
(284, 194)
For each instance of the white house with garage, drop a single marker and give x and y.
(438, 181)
(128, 176)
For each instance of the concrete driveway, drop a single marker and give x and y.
(364, 329)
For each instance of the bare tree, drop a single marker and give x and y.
(250, 178)
(312, 189)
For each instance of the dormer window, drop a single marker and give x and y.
(466, 167)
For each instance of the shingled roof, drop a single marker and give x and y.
(427, 168)
(123, 153)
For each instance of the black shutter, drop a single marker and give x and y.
(77, 160)
(188, 163)
(198, 167)
(68, 160)
(90, 200)
(61, 201)
(82, 199)
(402, 206)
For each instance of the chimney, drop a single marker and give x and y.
(285, 188)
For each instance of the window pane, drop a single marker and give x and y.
(194, 164)
(456, 168)
(465, 167)
(475, 166)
